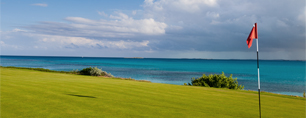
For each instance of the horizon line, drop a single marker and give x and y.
(155, 58)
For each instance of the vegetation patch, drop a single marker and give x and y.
(217, 81)
(95, 71)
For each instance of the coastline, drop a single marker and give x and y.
(277, 76)
(130, 79)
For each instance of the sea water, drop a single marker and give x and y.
(277, 76)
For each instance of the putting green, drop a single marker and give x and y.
(29, 93)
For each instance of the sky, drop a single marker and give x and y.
(210, 29)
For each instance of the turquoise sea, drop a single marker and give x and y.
(277, 76)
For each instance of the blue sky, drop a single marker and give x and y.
(24, 12)
(153, 28)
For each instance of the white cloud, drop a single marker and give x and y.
(179, 5)
(134, 12)
(81, 20)
(18, 30)
(90, 43)
(40, 4)
(27, 40)
(119, 16)
(31, 43)
(124, 24)
(102, 13)
(11, 46)
(120, 25)
(212, 14)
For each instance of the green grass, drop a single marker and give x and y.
(30, 93)
(40, 69)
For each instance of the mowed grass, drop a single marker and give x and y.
(29, 93)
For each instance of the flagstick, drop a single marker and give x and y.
(258, 80)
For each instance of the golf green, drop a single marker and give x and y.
(30, 93)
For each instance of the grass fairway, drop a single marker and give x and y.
(28, 93)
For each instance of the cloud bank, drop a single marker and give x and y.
(177, 28)
(121, 25)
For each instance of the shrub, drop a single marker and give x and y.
(95, 71)
(106, 74)
(304, 95)
(217, 81)
(86, 71)
(103, 73)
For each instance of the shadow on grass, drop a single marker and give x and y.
(81, 95)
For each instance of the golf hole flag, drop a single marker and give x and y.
(253, 35)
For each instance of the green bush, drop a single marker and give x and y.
(95, 71)
(86, 71)
(217, 81)
(106, 74)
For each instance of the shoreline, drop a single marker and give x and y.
(131, 79)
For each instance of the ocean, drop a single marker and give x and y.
(277, 76)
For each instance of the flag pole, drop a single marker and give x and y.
(258, 73)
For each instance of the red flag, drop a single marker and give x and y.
(253, 35)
